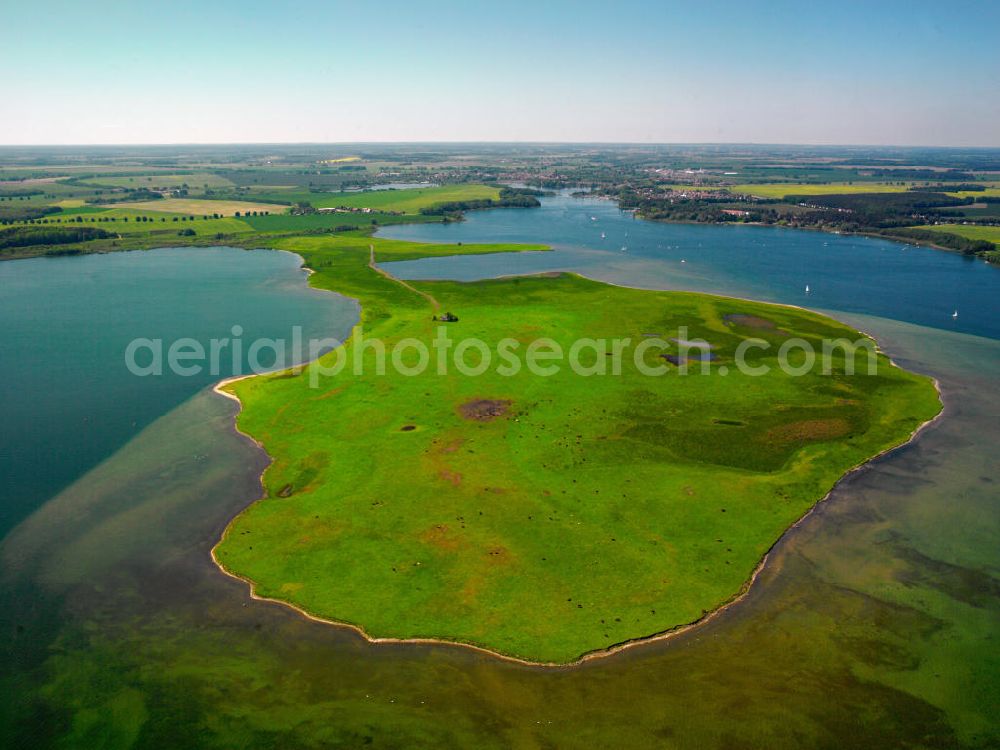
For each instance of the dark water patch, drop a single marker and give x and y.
(977, 588)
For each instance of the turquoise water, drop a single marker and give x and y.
(68, 400)
(873, 625)
(854, 274)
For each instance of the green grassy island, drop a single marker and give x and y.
(543, 518)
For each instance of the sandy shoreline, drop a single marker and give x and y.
(664, 635)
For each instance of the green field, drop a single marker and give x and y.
(989, 191)
(576, 512)
(121, 217)
(407, 201)
(969, 231)
(127, 221)
(304, 222)
(195, 180)
(781, 189)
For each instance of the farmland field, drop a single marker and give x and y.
(128, 221)
(407, 201)
(780, 190)
(150, 181)
(969, 231)
(204, 207)
(992, 192)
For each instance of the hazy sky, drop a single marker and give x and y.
(773, 72)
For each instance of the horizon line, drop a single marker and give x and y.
(164, 144)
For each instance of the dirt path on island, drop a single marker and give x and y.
(371, 264)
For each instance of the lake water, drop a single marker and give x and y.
(849, 273)
(68, 400)
(873, 625)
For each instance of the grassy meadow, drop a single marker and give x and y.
(573, 514)
(309, 222)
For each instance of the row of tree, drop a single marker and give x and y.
(28, 236)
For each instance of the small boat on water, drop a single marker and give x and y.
(807, 289)
(954, 315)
(683, 261)
(603, 236)
(624, 248)
(593, 218)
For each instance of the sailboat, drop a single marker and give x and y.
(954, 314)
(603, 236)
(807, 289)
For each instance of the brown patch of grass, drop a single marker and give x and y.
(750, 321)
(484, 409)
(440, 537)
(451, 476)
(753, 322)
(808, 429)
(453, 446)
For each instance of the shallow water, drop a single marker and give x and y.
(873, 625)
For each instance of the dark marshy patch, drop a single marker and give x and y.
(749, 321)
(807, 430)
(408, 428)
(484, 409)
(700, 356)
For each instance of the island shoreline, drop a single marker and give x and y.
(661, 636)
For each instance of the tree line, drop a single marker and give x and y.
(27, 236)
(509, 198)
